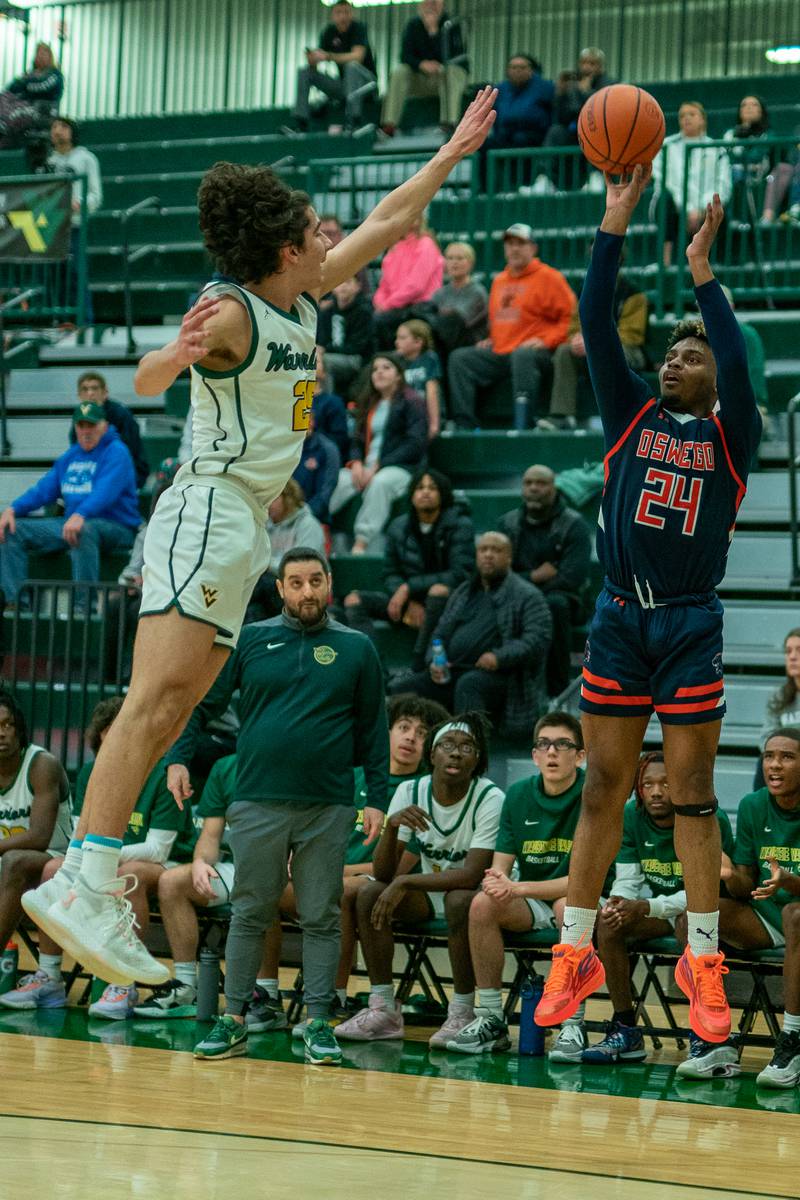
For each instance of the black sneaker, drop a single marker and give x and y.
(783, 1071)
(169, 1000)
(265, 1013)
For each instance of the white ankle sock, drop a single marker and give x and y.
(462, 1000)
(51, 965)
(577, 926)
(270, 986)
(703, 932)
(186, 973)
(384, 992)
(492, 1000)
(73, 858)
(791, 1023)
(100, 860)
(578, 1016)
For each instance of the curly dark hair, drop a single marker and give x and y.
(443, 486)
(692, 327)
(478, 726)
(414, 708)
(247, 215)
(8, 700)
(102, 718)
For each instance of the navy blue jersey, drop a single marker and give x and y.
(673, 482)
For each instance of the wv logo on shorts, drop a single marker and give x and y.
(210, 595)
(324, 655)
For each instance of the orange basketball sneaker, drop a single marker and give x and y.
(576, 973)
(700, 979)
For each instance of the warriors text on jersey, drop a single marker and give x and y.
(16, 803)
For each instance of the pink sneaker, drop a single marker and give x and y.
(372, 1024)
(456, 1020)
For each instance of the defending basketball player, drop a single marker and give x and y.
(250, 342)
(675, 474)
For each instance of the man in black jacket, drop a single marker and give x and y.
(433, 62)
(93, 389)
(552, 548)
(345, 43)
(346, 333)
(429, 551)
(495, 630)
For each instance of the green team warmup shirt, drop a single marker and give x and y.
(155, 809)
(651, 850)
(765, 830)
(218, 794)
(357, 852)
(538, 828)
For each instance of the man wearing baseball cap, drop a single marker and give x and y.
(530, 306)
(95, 480)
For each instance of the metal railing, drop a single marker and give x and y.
(5, 355)
(129, 256)
(65, 647)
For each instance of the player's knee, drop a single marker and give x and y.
(791, 923)
(603, 788)
(457, 906)
(367, 898)
(174, 883)
(18, 866)
(694, 784)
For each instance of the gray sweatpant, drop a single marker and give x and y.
(262, 837)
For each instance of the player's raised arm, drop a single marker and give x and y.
(398, 211)
(215, 332)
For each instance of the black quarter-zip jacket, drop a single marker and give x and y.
(311, 708)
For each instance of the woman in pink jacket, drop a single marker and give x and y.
(410, 273)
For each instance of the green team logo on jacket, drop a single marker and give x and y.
(324, 655)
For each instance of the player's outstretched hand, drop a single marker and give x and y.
(626, 193)
(475, 124)
(703, 240)
(191, 344)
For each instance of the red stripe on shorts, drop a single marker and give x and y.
(702, 706)
(700, 691)
(599, 681)
(599, 698)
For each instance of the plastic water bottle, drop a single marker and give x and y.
(531, 1035)
(520, 413)
(439, 661)
(208, 986)
(8, 967)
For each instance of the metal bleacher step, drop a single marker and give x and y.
(758, 563)
(754, 633)
(34, 391)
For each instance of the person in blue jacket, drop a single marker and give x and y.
(524, 108)
(96, 481)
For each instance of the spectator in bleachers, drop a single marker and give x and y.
(331, 226)
(749, 159)
(205, 882)
(784, 706)
(461, 304)
(389, 443)
(783, 186)
(345, 333)
(572, 89)
(421, 366)
(569, 360)
(35, 825)
(291, 523)
(496, 631)
(409, 720)
(157, 832)
(756, 358)
(532, 896)
(445, 822)
(429, 551)
(92, 387)
(410, 274)
(68, 158)
(344, 42)
(433, 62)
(524, 108)
(709, 171)
(43, 85)
(330, 414)
(95, 479)
(764, 881)
(552, 547)
(530, 307)
(646, 899)
(317, 474)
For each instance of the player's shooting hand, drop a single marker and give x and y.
(626, 194)
(179, 783)
(373, 820)
(8, 523)
(386, 903)
(703, 240)
(475, 124)
(202, 874)
(192, 342)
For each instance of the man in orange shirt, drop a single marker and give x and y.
(530, 306)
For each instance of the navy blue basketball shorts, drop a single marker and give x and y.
(666, 659)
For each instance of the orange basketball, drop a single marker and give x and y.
(620, 126)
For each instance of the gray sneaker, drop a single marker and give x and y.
(570, 1043)
(265, 1014)
(709, 1060)
(487, 1034)
(36, 990)
(783, 1071)
(320, 1044)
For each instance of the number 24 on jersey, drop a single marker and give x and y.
(669, 491)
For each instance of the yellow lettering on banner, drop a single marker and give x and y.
(25, 222)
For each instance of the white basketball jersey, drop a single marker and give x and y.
(249, 423)
(16, 803)
(453, 830)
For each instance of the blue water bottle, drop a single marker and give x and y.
(439, 661)
(531, 1035)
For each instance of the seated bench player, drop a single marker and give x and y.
(447, 823)
(157, 832)
(536, 827)
(646, 899)
(409, 720)
(764, 881)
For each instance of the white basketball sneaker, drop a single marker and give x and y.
(38, 900)
(98, 928)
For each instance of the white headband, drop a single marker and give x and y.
(451, 727)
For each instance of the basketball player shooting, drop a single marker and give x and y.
(250, 342)
(675, 474)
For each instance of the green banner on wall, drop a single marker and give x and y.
(35, 220)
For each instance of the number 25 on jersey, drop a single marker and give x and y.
(301, 409)
(669, 490)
